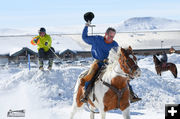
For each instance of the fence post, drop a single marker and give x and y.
(29, 62)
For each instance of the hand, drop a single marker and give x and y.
(36, 40)
(46, 43)
(88, 23)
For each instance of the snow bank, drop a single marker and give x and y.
(48, 95)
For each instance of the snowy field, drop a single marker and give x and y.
(139, 32)
(49, 95)
(142, 40)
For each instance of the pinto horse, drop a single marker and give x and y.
(169, 66)
(122, 65)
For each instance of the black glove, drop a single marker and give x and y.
(46, 43)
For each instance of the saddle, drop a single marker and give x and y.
(163, 65)
(97, 76)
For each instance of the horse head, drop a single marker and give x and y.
(156, 60)
(128, 62)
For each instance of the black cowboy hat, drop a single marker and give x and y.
(88, 16)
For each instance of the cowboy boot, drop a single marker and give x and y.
(89, 77)
(86, 94)
(133, 96)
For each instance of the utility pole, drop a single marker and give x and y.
(162, 44)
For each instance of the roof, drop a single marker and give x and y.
(177, 48)
(67, 50)
(156, 49)
(23, 50)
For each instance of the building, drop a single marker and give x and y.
(21, 56)
(151, 51)
(175, 49)
(67, 54)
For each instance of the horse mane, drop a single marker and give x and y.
(158, 61)
(113, 58)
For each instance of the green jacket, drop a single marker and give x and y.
(41, 42)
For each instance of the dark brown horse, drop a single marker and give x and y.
(169, 66)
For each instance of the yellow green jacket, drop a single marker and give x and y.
(41, 42)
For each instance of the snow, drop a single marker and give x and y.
(49, 95)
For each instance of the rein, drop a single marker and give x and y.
(130, 68)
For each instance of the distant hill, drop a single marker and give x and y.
(148, 23)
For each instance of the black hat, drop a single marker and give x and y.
(42, 30)
(88, 16)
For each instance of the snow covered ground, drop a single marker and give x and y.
(49, 95)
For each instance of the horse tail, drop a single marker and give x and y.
(176, 71)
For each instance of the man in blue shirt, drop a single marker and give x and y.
(100, 51)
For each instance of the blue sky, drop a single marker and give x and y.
(35, 13)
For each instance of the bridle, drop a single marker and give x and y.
(128, 67)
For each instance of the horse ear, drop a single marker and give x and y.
(130, 48)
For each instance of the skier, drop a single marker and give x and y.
(45, 51)
(100, 51)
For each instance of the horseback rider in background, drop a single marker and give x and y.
(164, 59)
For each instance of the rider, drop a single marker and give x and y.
(45, 51)
(100, 51)
(164, 57)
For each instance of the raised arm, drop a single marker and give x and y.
(88, 39)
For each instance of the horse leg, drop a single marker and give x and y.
(76, 101)
(103, 114)
(126, 113)
(92, 113)
(74, 110)
(174, 71)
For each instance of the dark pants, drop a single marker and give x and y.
(46, 55)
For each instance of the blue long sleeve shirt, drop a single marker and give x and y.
(100, 49)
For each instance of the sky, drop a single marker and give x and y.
(36, 13)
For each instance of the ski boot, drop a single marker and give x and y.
(41, 68)
(50, 64)
(41, 65)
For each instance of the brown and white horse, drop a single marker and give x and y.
(122, 66)
(169, 66)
